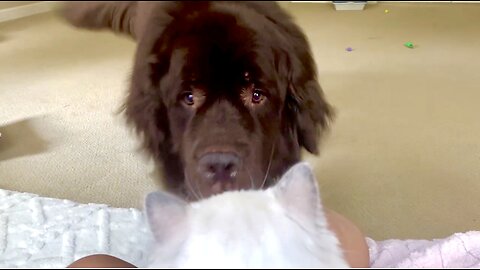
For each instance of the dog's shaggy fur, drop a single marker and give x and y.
(216, 77)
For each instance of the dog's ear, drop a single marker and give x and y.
(312, 114)
(145, 108)
(305, 98)
(146, 112)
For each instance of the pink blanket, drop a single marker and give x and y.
(460, 250)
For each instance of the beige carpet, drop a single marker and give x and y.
(402, 159)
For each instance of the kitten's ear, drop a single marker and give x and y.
(298, 192)
(166, 214)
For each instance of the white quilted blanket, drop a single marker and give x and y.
(460, 250)
(37, 232)
(42, 232)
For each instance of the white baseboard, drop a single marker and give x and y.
(325, 2)
(14, 13)
(444, 2)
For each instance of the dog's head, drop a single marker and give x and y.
(224, 94)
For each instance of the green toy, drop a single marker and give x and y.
(409, 45)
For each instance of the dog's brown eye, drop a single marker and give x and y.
(193, 98)
(257, 96)
(252, 96)
(188, 98)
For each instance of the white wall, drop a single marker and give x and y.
(10, 4)
(10, 10)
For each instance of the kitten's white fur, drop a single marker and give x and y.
(283, 226)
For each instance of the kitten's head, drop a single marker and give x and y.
(283, 226)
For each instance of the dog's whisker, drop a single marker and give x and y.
(268, 168)
(252, 183)
(195, 195)
(188, 197)
(199, 190)
(187, 181)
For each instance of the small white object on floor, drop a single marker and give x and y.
(349, 5)
(39, 232)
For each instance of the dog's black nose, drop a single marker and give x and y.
(219, 166)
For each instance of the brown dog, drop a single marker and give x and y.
(224, 94)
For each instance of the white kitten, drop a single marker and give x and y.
(283, 226)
